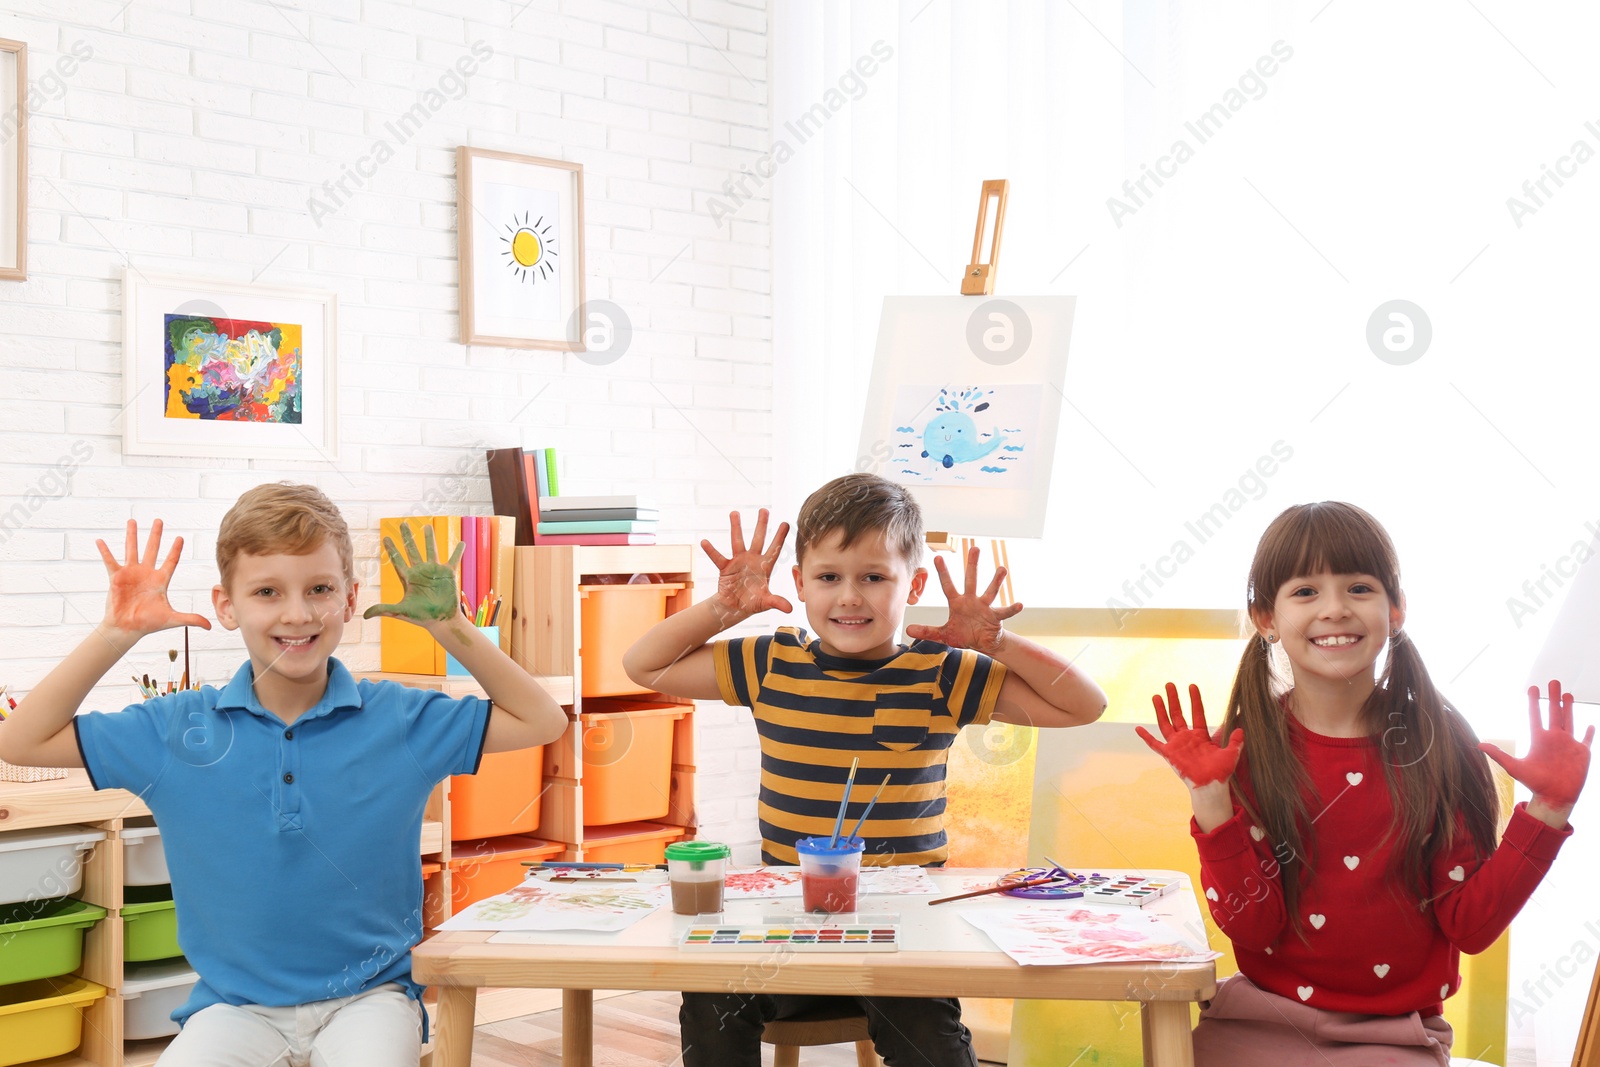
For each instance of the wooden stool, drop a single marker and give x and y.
(821, 1026)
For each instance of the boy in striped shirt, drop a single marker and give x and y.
(850, 690)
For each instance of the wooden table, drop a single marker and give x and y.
(941, 955)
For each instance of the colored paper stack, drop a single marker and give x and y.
(596, 520)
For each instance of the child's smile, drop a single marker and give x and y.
(291, 611)
(856, 597)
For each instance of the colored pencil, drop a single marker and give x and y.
(1000, 887)
(850, 780)
(868, 810)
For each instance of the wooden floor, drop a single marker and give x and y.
(629, 1031)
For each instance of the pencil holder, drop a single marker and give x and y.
(453, 666)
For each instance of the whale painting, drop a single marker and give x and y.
(974, 435)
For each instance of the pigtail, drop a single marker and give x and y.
(1438, 780)
(1270, 784)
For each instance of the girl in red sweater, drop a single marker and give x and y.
(1347, 828)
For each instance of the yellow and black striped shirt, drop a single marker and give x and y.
(815, 712)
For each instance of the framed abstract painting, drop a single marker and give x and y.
(13, 160)
(519, 225)
(222, 369)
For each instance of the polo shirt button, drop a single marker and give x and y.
(288, 735)
(288, 779)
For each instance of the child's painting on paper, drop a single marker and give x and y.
(537, 906)
(1052, 936)
(972, 435)
(232, 370)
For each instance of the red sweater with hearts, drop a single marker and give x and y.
(1366, 948)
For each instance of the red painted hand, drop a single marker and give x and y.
(1191, 751)
(1557, 762)
(137, 600)
(974, 621)
(743, 576)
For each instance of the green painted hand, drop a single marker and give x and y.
(430, 586)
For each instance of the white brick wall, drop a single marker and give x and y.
(191, 140)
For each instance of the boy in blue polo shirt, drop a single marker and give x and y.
(290, 800)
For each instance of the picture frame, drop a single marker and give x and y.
(964, 405)
(519, 226)
(227, 369)
(13, 160)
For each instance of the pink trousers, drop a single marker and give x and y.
(1245, 1026)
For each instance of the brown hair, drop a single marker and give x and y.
(282, 517)
(857, 504)
(1435, 773)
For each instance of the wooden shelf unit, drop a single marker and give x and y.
(547, 610)
(72, 801)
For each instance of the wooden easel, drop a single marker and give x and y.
(940, 541)
(978, 279)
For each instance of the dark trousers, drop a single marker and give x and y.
(724, 1029)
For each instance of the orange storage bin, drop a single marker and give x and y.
(481, 869)
(633, 842)
(614, 617)
(627, 760)
(502, 798)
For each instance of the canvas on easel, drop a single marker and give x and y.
(964, 405)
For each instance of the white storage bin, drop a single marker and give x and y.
(151, 992)
(144, 861)
(37, 864)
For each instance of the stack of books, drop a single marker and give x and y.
(596, 520)
(524, 486)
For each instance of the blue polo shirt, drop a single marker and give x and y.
(292, 849)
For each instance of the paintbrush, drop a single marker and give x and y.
(1001, 887)
(868, 810)
(849, 781)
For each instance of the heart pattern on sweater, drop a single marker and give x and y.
(1352, 861)
(1354, 777)
(1458, 873)
(1304, 991)
(1269, 950)
(1318, 920)
(1381, 970)
(1211, 894)
(1444, 991)
(1257, 832)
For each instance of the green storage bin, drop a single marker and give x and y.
(149, 924)
(43, 938)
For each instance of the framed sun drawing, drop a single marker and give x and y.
(218, 369)
(519, 223)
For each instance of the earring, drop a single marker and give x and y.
(1394, 632)
(1272, 639)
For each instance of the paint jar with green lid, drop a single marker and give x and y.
(695, 870)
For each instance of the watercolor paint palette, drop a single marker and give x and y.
(1136, 892)
(824, 938)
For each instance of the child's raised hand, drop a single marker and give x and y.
(1191, 751)
(743, 579)
(137, 600)
(430, 586)
(1557, 762)
(974, 621)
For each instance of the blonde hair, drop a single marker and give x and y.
(281, 517)
(857, 504)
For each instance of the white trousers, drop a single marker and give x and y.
(379, 1028)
